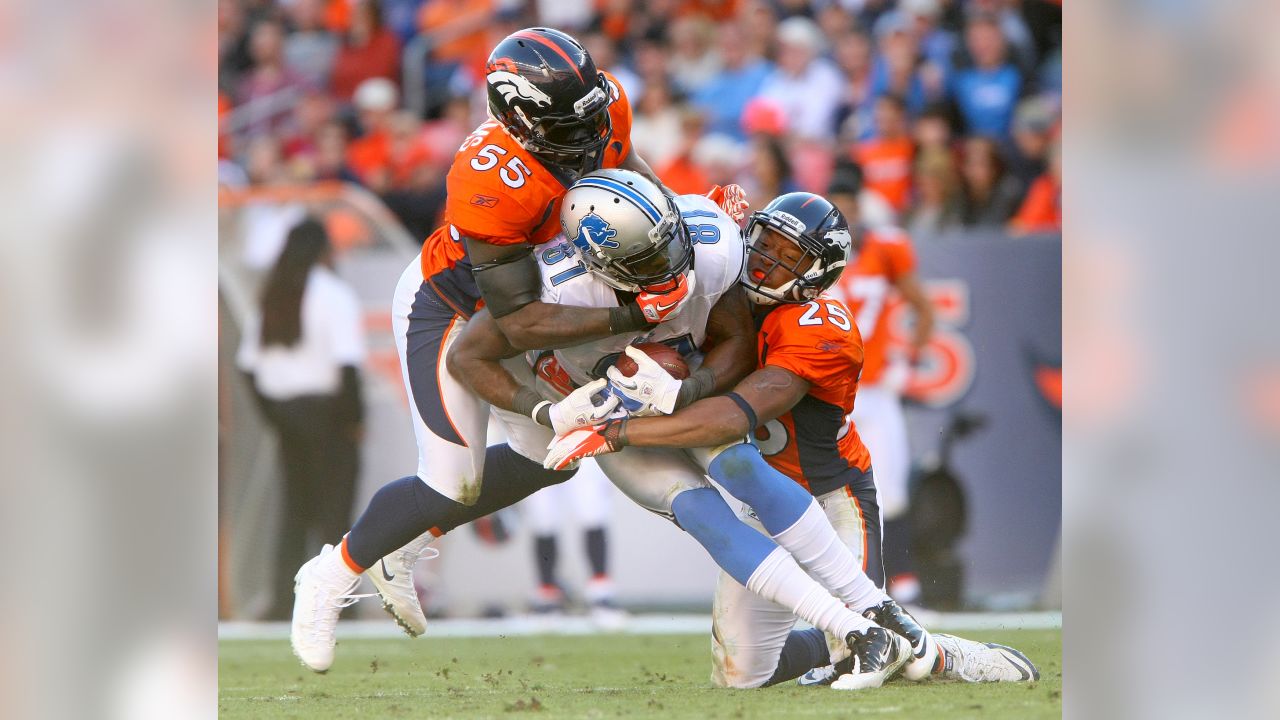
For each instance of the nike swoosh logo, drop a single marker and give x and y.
(664, 308)
(1017, 660)
(924, 647)
(1017, 666)
(386, 575)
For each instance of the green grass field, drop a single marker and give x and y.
(604, 676)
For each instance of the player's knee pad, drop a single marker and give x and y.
(726, 671)
(776, 498)
(736, 673)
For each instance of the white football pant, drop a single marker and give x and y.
(877, 414)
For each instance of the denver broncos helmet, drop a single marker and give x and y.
(546, 91)
(814, 224)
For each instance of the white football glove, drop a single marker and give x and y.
(651, 391)
(580, 407)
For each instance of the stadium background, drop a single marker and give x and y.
(306, 124)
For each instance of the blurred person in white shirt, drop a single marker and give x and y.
(695, 58)
(302, 350)
(806, 86)
(656, 127)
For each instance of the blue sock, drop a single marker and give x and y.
(777, 500)
(404, 509)
(399, 512)
(734, 546)
(804, 650)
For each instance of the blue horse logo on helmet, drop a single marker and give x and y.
(593, 230)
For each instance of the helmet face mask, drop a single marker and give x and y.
(769, 271)
(813, 226)
(627, 232)
(545, 90)
(572, 142)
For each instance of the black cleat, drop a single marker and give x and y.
(878, 654)
(924, 651)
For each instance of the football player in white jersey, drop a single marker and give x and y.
(625, 236)
(810, 358)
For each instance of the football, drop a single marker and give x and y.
(664, 355)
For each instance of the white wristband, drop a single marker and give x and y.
(536, 408)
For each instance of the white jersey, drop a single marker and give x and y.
(718, 256)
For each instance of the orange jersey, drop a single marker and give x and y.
(885, 256)
(1041, 210)
(815, 443)
(470, 49)
(499, 193)
(886, 165)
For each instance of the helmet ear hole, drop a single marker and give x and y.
(616, 201)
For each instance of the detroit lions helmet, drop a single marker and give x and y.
(821, 232)
(629, 234)
(546, 91)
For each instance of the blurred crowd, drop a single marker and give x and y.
(946, 112)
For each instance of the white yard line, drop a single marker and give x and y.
(647, 624)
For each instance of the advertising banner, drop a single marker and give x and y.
(995, 357)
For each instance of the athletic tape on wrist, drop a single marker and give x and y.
(525, 400)
(628, 318)
(537, 410)
(615, 434)
(695, 387)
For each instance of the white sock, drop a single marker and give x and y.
(780, 580)
(815, 545)
(333, 567)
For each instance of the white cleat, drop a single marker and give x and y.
(609, 617)
(393, 579)
(319, 597)
(878, 654)
(973, 661)
(605, 613)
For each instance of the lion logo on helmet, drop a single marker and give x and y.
(594, 230)
(513, 86)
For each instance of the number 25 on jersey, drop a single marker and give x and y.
(835, 314)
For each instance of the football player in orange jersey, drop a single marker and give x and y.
(555, 117)
(797, 405)
(799, 562)
(885, 265)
